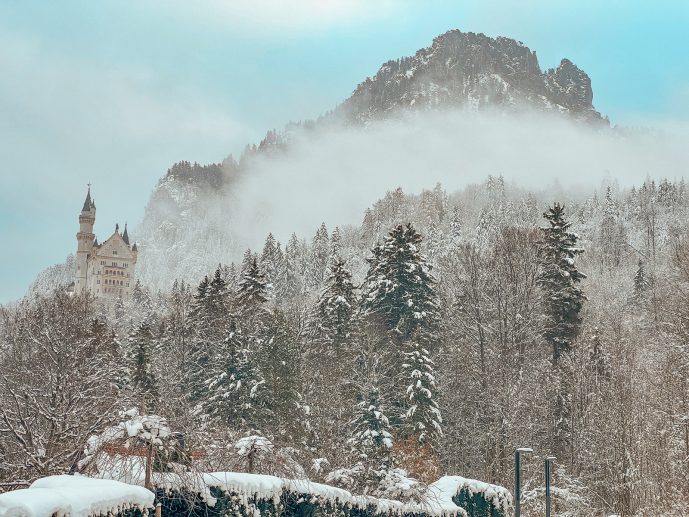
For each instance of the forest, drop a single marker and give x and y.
(434, 338)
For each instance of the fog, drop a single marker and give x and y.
(333, 175)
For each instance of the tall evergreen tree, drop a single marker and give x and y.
(559, 279)
(399, 287)
(332, 321)
(277, 358)
(641, 283)
(200, 344)
(563, 300)
(269, 264)
(143, 379)
(318, 259)
(216, 302)
(422, 419)
(371, 440)
(253, 290)
(233, 388)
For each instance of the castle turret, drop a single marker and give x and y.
(85, 240)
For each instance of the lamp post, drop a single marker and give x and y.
(548, 462)
(517, 478)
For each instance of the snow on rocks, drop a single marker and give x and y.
(75, 496)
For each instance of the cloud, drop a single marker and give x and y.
(84, 112)
(288, 15)
(333, 176)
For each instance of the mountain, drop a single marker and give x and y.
(473, 71)
(190, 223)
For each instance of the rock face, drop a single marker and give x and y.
(570, 87)
(472, 71)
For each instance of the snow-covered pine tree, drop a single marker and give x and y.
(143, 379)
(247, 258)
(422, 420)
(399, 288)
(269, 265)
(371, 441)
(335, 242)
(318, 258)
(216, 302)
(199, 344)
(277, 359)
(252, 292)
(641, 283)
(332, 321)
(141, 297)
(563, 301)
(559, 279)
(288, 286)
(233, 390)
(330, 329)
(456, 226)
(295, 253)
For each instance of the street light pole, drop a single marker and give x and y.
(548, 463)
(517, 479)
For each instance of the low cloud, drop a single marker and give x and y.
(333, 176)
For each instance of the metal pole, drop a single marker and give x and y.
(517, 479)
(548, 505)
(517, 484)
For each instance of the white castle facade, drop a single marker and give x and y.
(105, 270)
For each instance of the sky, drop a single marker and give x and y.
(114, 92)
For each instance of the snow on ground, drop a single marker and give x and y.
(75, 496)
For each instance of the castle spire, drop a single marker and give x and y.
(125, 235)
(87, 202)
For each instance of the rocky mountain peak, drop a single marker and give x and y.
(473, 71)
(570, 86)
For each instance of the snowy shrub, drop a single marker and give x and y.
(397, 484)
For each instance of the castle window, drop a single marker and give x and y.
(114, 252)
(114, 264)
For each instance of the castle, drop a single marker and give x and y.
(105, 270)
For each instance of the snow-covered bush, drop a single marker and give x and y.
(120, 452)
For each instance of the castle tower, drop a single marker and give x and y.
(85, 240)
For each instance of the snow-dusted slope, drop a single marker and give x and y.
(187, 226)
